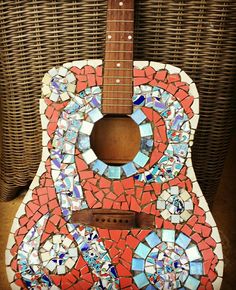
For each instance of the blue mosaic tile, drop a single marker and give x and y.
(168, 236)
(145, 130)
(129, 169)
(138, 116)
(83, 142)
(152, 239)
(141, 280)
(141, 159)
(99, 166)
(196, 268)
(138, 100)
(192, 283)
(114, 172)
(150, 287)
(182, 240)
(142, 250)
(95, 115)
(146, 145)
(137, 264)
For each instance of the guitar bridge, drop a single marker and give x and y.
(113, 219)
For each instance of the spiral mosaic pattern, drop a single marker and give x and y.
(167, 260)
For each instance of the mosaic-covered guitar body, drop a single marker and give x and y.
(182, 249)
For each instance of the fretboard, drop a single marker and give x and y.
(118, 61)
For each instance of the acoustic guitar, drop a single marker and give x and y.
(86, 223)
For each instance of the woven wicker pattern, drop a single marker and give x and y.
(198, 36)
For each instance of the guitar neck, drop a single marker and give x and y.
(118, 61)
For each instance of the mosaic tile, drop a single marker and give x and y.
(129, 169)
(145, 130)
(89, 156)
(99, 166)
(167, 264)
(141, 159)
(138, 264)
(168, 235)
(138, 116)
(95, 115)
(86, 128)
(142, 250)
(114, 172)
(141, 280)
(182, 248)
(192, 283)
(175, 204)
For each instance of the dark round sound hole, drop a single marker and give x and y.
(115, 139)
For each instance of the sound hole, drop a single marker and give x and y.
(115, 139)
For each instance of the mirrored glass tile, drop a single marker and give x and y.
(196, 268)
(146, 145)
(141, 159)
(114, 172)
(129, 169)
(192, 283)
(89, 156)
(96, 90)
(193, 253)
(69, 158)
(99, 166)
(95, 115)
(183, 240)
(142, 250)
(145, 130)
(72, 107)
(137, 264)
(175, 219)
(168, 235)
(86, 127)
(141, 280)
(152, 239)
(161, 204)
(138, 116)
(83, 142)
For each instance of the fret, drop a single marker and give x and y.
(117, 9)
(122, 26)
(116, 69)
(119, 51)
(116, 4)
(119, 45)
(117, 92)
(119, 56)
(119, 37)
(120, 41)
(120, 14)
(119, 105)
(110, 98)
(117, 75)
(120, 77)
(120, 21)
(117, 84)
(119, 31)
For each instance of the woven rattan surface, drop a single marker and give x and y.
(198, 36)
